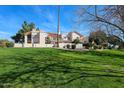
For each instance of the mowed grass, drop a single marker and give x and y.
(44, 67)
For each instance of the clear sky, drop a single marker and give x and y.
(45, 17)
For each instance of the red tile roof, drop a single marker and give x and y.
(54, 35)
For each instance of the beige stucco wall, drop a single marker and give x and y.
(42, 39)
(41, 43)
(17, 45)
(61, 45)
(79, 46)
(27, 45)
(75, 36)
(37, 38)
(49, 45)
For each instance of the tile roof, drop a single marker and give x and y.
(54, 35)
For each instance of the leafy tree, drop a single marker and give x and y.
(3, 43)
(98, 37)
(6, 43)
(48, 41)
(37, 29)
(9, 44)
(112, 39)
(26, 27)
(76, 41)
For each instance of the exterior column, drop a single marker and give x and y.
(32, 39)
(25, 39)
(42, 39)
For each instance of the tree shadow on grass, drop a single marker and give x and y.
(102, 53)
(107, 54)
(99, 53)
(48, 68)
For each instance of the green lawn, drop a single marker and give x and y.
(43, 67)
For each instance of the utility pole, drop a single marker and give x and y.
(58, 28)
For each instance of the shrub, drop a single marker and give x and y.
(68, 46)
(6, 43)
(76, 41)
(73, 46)
(109, 47)
(9, 44)
(96, 46)
(2, 43)
(105, 45)
(86, 45)
(99, 47)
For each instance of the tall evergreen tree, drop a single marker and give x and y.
(26, 27)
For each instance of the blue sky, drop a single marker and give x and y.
(45, 17)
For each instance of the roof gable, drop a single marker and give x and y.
(70, 33)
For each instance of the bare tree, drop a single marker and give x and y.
(111, 16)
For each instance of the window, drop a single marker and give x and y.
(28, 38)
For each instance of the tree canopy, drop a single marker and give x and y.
(26, 27)
(108, 17)
(115, 40)
(99, 37)
(76, 41)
